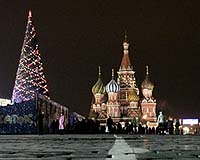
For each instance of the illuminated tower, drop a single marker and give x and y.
(113, 105)
(99, 106)
(127, 83)
(148, 103)
(30, 78)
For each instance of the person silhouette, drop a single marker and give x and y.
(161, 122)
(110, 124)
(40, 121)
(61, 123)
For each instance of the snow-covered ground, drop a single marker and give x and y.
(105, 147)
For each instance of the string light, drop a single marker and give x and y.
(30, 74)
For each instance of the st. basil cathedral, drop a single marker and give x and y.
(120, 100)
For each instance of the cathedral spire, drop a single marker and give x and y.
(113, 74)
(99, 86)
(29, 15)
(125, 63)
(147, 84)
(99, 70)
(147, 70)
(125, 44)
(125, 37)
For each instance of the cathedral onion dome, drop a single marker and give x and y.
(112, 86)
(98, 88)
(132, 97)
(146, 84)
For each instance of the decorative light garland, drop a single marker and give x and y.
(30, 77)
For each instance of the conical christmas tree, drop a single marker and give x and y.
(30, 78)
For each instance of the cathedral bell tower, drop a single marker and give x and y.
(128, 95)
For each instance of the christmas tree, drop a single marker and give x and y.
(30, 79)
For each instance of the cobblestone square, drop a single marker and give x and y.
(100, 146)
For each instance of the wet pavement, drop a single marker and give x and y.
(100, 146)
(183, 147)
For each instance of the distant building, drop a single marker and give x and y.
(21, 118)
(189, 125)
(5, 102)
(120, 99)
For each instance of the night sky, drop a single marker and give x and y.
(76, 37)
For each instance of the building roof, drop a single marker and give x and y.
(147, 84)
(112, 86)
(98, 87)
(125, 63)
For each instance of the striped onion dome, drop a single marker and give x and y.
(147, 84)
(98, 88)
(112, 86)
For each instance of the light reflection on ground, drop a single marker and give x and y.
(98, 146)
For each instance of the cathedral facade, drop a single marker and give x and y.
(120, 99)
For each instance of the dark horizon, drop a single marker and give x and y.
(75, 38)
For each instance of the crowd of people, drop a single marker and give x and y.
(55, 126)
(164, 127)
(89, 126)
